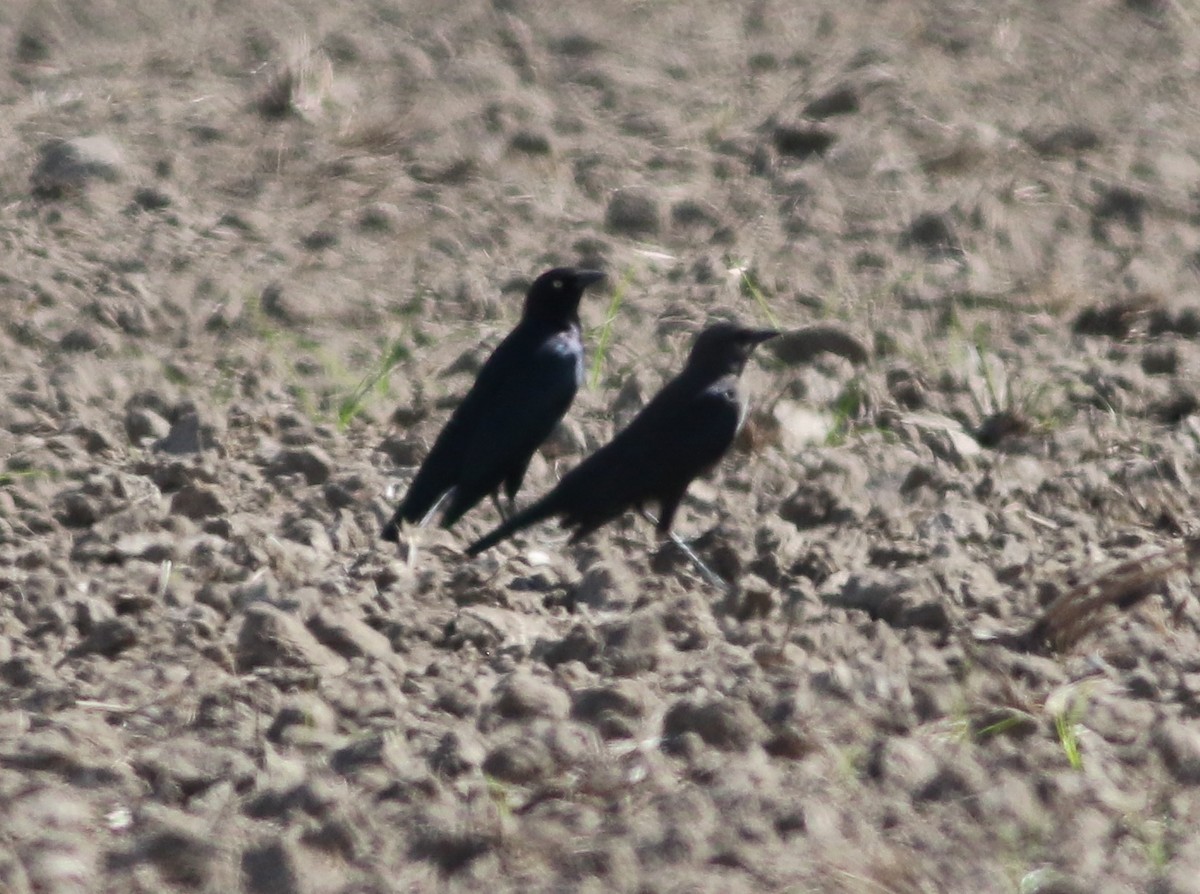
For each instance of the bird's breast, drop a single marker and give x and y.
(726, 390)
(568, 345)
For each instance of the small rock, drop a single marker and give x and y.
(349, 635)
(75, 509)
(895, 597)
(184, 435)
(632, 645)
(530, 142)
(840, 100)
(309, 532)
(790, 742)
(456, 755)
(35, 43)
(520, 760)
(80, 339)
(282, 305)
(813, 504)
(150, 198)
(1061, 140)
(1047, 880)
(178, 845)
(311, 462)
(951, 783)
(694, 213)
(799, 426)
(961, 520)
(271, 869)
(901, 760)
(147, 546)
(65, 167)
(522, 695)
(932, 232)
(1117, 318)
(144, 424)
(187, 765)
(613, 708)
(449, 846)
(386, 750)
(582, 643)
(272, 638)
(725, 724)
(633, 212)
(907, 388)
(380, 217)
(1160, 360)
(319, 239)
(803, 139)
(109, 638)
(402, 450)
(1000, 426)
(304, 712)
(1179, 746)
(198, 501)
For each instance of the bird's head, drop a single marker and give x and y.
(556, 292)
(724, 347)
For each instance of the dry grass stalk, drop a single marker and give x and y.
(1088, 606)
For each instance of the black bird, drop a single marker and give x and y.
(681, 433)
(520, 394)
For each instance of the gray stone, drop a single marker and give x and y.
(633, 212)
(898, 598)
(726, 724)
(1179, 746)
(198, 501)
(271, 868)
(144, 424)
(349, 636)
(520, 759)
(184, 436)
(521, 695)
(67, 166)
(310, 462)
(272, 638)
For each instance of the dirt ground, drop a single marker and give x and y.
(252, 255)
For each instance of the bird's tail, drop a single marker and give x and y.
(543, 508)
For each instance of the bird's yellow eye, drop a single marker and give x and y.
(558, 283)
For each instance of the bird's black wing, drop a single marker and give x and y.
(443, 467)
(680, 434)
(520, 413)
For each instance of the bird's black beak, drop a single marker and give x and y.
(758, 336)
(586, 277)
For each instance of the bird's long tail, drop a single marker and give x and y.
(543, 508)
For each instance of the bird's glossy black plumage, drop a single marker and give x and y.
(680, 434)
(520, 394)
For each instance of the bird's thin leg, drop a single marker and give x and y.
(505, 510)
(414, 531)
(705, 572)
(433, 509)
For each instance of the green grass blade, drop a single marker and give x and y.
(605, 337)
(351, 405)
